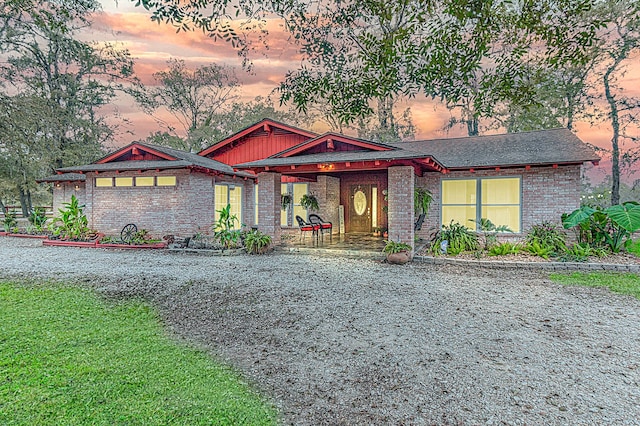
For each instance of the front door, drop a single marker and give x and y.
(360, 208)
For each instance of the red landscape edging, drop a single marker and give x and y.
(95, 244)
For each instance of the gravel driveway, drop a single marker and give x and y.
(350, 341)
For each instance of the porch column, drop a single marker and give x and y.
(327, 190)
(401, 184)
(269, 205)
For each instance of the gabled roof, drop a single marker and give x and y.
(266, 124)
(159, 157)
(542, 147)
(330, 138)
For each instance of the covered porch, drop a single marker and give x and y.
(361, 187)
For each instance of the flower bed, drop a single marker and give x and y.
(97, 244)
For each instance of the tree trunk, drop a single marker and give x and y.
(3, 208)
(24, 203)
(615, 126)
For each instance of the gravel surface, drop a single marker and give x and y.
(351, 341)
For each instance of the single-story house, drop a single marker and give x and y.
(516, 180)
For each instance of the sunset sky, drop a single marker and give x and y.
(152, 45)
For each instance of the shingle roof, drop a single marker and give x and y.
(65, 177)
(183, 159)
(554, 146)
(335, 157)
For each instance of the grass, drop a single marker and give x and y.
(69, 358)
(634, 247)
(616, 282)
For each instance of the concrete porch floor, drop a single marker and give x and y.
(350, 244)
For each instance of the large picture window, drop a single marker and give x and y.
(232, 195)
(466, 201)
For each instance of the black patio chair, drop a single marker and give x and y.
(307, 227)
(324, 226)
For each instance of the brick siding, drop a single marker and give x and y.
(546, 193)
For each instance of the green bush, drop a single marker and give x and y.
(504, 249)
(549, 238)
(10, 221)
(611, 227)
(538, 249)
(395, 247)
(72, 223)
(224, 229)
(459, 239)
(37, 219)
(255, 241)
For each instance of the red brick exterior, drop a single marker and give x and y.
(270, 205)
(546, 193)
(401, 213)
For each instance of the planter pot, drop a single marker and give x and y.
(399, 258)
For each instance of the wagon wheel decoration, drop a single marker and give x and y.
(128, 233)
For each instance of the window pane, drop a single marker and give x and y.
(235, 199)
(459, 191)
(221, 199)
(299, 211)
(299, 189)
(283, 213)
(464, 215)
(124, 181)
(102, 182)
(144, 181)
(503, 215)
(501, 191)
(166, 181)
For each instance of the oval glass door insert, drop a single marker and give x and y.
(359, 202)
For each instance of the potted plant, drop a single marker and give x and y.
(309, 202)
(256, 242)
(285, 200)
(398, 253)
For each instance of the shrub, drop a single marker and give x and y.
(537, 249)
(72, 222)
(489, 231)
(504, 249)
(549, 236)
(611, 227)
(255, 241)
(224, 229)
(459, 239)
(38, 218)
(10, 221)
(395, 247)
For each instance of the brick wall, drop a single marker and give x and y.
(181, 210)
(270, 205)
(401, 213)
(546, 193)
(62, 194)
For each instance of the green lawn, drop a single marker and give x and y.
(69, 358)
(616, 282)
(634, 247)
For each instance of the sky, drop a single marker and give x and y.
(152, 44)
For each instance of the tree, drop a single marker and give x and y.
(360, 53)
(616, 46)
(47, 69)
(192, 97)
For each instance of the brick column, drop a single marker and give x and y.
(401, 183)
(269, 205)
(327, 189)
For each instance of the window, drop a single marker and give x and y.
(124, 181)
(468, 200)
(299, 189)
(232, 195)
(145, 181)
(103, 182)
(166, 181)
(296, 190)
